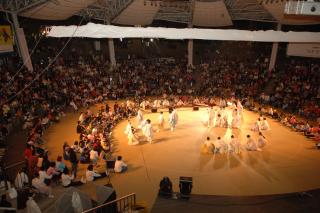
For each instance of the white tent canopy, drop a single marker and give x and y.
(92, 30)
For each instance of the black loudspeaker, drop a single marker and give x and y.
(185, 186)
(195, 108)
(154, 110)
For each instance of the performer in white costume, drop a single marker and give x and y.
(165, 103)
(265, 124)
(149, 131)
(251, 144)
(257, 126)
(235, 145)
(207, 147)
(261, 141)
(132, 140)
(157, 103)
(139, 118)
(173, 119)
(160, 122)
(209, 118)
(220, 146)
(236, 121)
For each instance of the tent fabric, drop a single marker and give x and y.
(64, 203)
(103, 193)
(92, 30)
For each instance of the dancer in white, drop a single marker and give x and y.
(129, 131)
(235, 145)
(149, 131)
(236, 121)
(220, 146)
(173, 119)
(139, 119)
(257, 126)
(160, 122)
(261, 141)
(165, 103)
(251, 144)
(207, 147)
(265, 124)
(209, 119)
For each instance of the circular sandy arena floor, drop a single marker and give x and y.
(288, 163)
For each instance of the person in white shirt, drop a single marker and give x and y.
(251, 144)
(132, 140)
(257, 126)
(148, 131)
(207, 147)
(21, 179)
(43, 175)
(165, 103)
(94, 156)
(261, 141)
(92, 175)
(41, 186)
(265, 124)
(119, 165)
(160, 122)
(68, 180)
(140, 118)
(234, 145)
(173, 119)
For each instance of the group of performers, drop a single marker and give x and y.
(146, 127)
(221, 145)
(224, 114)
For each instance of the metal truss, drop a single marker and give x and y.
(180, 11)
(17, 6)
(105, 10)
(248, 10)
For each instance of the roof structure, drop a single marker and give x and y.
(201, 13)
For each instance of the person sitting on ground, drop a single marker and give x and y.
(68, 180)
(119, 165)
(92, 175)
(21, 179)
(251, 144)
(207, 147)
(41, 186)
(265, 124)
(261, 141)
(165, 187)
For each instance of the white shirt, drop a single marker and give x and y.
(66, 179)
(93, 155)
(43, 175)
(118, 165)
(20, 180)
(91, 174)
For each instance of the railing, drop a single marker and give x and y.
(124, 204)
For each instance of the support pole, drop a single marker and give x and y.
(22, 43)
(190, 52)
(112, 56)
(274, 51)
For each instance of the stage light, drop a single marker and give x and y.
(151, 39)
(185, 186)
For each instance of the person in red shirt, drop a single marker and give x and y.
(28, 152)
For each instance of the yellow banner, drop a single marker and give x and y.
(6, 37)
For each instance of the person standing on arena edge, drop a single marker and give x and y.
(173, 119)
(160, 122)
(149, 131)
(74, 162)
